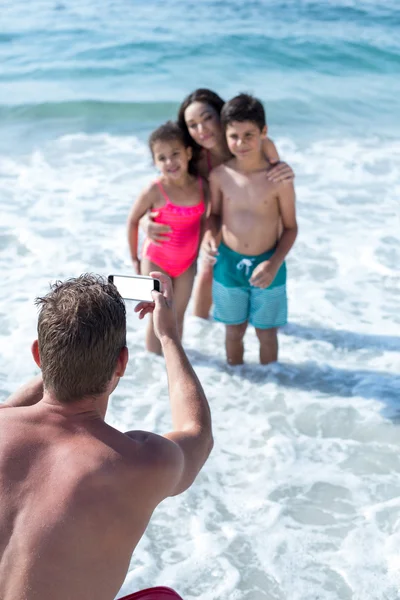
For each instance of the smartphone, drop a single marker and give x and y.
(135, 287)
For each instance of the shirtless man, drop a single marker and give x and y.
(257, 219)
(76, 495)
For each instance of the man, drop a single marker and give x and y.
(76, 495)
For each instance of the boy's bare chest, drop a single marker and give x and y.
(254, 193)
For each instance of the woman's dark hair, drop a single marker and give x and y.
(200, 95)
(168, 132)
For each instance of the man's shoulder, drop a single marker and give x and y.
(160, 460)
(155, 449)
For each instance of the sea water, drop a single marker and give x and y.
(300, 498)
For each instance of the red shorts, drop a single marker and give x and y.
(155, 593)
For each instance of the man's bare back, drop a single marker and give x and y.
(77, 495)
(74, 489)
(249, 203)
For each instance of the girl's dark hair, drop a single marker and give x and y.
(200, 95)
(168, 132)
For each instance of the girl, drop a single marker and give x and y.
(176, 199)
(199, 119)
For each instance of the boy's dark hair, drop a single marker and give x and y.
(243, 107)
(168, 132)
(205, 96)
(81, 331)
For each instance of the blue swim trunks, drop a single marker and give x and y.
(236, 301)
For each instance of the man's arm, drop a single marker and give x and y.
(191, 418)
(28, 394)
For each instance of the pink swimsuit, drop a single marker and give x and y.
(180, 251)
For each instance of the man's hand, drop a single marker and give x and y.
(163, 309)
(209, 248)
(156, 232)
(264, 274)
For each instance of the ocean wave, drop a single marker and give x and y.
(90, 109)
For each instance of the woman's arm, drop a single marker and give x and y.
(280, 170)
(270, 151)
(156, 232)
(212, 235)
(206, 214)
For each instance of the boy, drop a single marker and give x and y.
(257, 219)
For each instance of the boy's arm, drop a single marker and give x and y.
(264, 274)
(142, 204)
(287, 209)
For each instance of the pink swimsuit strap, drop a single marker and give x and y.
(182, 209)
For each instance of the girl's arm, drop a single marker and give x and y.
(280, 170)
(143, 203)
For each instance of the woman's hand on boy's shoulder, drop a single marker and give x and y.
(279, 172)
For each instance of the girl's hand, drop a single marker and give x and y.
(280, 172)
(156, 232)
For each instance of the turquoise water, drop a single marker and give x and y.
(301, 495)
(321, 67)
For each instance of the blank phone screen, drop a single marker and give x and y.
(134, 288)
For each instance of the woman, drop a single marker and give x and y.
(199, 118)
